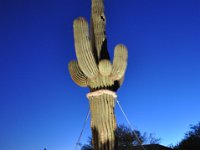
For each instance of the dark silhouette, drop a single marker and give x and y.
(106, 145)
(151, 147)
(191, 140)
(127, 138)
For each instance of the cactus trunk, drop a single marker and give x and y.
(103, 122)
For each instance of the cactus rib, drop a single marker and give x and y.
(76, 74)
(98, 23)
(119, 62)
(105, 67)
(83, 48)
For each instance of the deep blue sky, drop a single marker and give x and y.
(41, 107)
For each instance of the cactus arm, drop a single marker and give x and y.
(105, 67)
(98, 28)
(76, 74)
(121, 81)
(83, 48)
(119, 62)
(92, 40)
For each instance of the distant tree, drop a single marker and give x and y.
(88, 146)
(191, 140)
(150, 139)
(127, 139)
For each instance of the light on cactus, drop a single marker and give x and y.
(95, 70)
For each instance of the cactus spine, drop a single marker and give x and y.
(95, 70)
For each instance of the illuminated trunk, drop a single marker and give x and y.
(103, 122)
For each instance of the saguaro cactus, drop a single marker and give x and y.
(95, 70)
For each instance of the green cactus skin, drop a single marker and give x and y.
(98, 23)
(83, 48)
(100, 82)
(119, 62)
(77, 75)
(94, 70)
(105, 67)
(121, 81)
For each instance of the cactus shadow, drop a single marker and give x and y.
(104, 51)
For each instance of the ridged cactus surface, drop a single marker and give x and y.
(103, 125)
(94, 64)
(95, 70)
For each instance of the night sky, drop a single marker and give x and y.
(40, 106)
